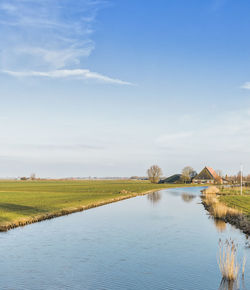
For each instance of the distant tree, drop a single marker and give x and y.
(23, 178)
(33, 176)
(187, 174)
(218, 180)
(219, 172)
(154, 173)
(238, 178)
(233, 179)
(187, 197)
(193, 174)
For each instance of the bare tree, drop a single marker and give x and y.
(187, 197)
(154, 197)
(154, 173)
(238, 178)
(187, 174)
(219, 172)
(33, 176)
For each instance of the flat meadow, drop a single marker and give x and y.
(24, 202)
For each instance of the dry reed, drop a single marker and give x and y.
(211, 190)
(217, 208)
(220, 210)
(227, 260)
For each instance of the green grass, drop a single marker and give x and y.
(232, 198)
(24, 201)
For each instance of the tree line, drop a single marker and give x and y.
(155, 173)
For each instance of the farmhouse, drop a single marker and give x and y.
(208, 175)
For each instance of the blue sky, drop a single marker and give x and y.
(108, 88)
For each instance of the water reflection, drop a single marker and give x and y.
(229, 285)
(117, 240)
(220, 225)
(243, 284)
(247, 242)
(154, 197)
(187, 197)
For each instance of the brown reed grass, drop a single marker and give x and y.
(227, 260)
(217, 208)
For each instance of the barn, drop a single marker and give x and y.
(208, 175)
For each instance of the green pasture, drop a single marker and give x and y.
(29, 199)
(233, 198)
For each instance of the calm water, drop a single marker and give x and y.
(162, 241)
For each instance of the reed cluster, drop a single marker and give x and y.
(216, 208)
(227, 260)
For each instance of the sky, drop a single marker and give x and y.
(110, 87)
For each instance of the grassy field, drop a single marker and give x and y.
(232, 198)
(24, 202)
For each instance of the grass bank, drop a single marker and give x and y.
(25, 202)
(233, 198)
(228, 205)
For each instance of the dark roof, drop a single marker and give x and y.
(171, 179)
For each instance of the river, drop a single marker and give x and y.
(165, 240)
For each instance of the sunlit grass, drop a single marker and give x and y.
(23, 202)
(231, 196)
(239, 202)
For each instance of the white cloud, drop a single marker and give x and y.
(49, 38)
(246, 85)
(74, 73)
(8, 8)
(58, 58)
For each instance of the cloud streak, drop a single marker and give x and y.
(167, 140)
(71, 74)
(246, 86)
(49, 38)
(56, 147)
(228, 133)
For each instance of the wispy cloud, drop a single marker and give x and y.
(246, 86)
(229, 132)
(74, 73)
(49, 38)
(169, 140)
(63, 147)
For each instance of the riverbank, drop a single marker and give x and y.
(27, 202)
(227, 205)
